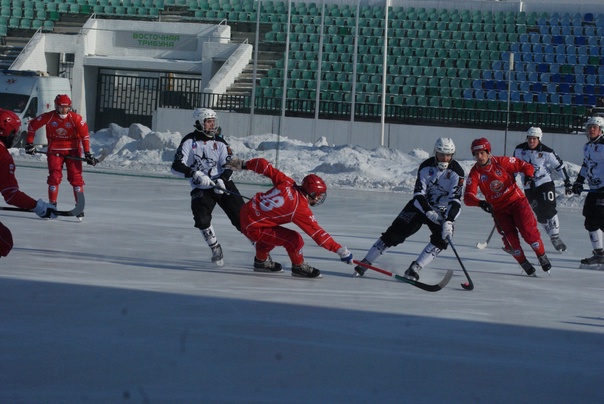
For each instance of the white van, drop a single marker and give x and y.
(28, 94)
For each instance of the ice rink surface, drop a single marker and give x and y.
(127, 307)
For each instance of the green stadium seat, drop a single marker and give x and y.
(25, 23)
(36, 24)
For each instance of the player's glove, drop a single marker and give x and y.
(45, 210)
(447, 232)
(219, 187)
(487, 207)
(345, 255)
(529, 182)
(568, 187)
(199, 178)
(90, 159)
(433, 216)
(30, 149)
(577, 188)
(235, 163)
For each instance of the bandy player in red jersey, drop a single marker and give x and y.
(494, 175)
(67, 135)
(263, 216)
(9, 187)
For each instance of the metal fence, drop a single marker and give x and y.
(124, 100)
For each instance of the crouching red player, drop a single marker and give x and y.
(263, 216)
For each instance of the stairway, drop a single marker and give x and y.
(268, 54)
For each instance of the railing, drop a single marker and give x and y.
(395, 114)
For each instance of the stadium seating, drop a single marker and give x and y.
(434, 57)
(555, 56)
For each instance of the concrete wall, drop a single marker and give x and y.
(368, 135)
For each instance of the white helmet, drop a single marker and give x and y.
(534, 132)
(199, 117)
(444, 145)
(594, 120)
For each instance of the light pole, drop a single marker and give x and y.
(507, 115)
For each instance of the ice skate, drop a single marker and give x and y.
(544, 262)
(558, 244)
(305, 271)
(529, 268)
(596, 260)
(217, 257)
(360, 270)
(80, 217)
(267, 266)
(412, 272)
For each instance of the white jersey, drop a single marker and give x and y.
(544, 160)
(441, 189)
(592, 168)
(198, 153)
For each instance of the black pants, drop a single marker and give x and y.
(203, 202)
(543, 201)
(407, 223)
(593, 211)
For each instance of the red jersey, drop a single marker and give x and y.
(284, 203)
(496, 181)
(8, 183)
(64, 135)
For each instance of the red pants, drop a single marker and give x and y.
(55, 171)
(517, 218)
(267, 238)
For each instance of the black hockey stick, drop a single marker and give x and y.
(96, 161)
(417, 284)
(469, 285)
(482, 246)
(218, 187)
(79, 208)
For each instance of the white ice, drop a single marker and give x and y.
(127, 307)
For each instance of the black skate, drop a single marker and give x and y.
(528, 268)
(267, 266)
(558, 244)
(412, 271)
(544, 262)
(80, 217)
(305, 271)
(596, 259)
(360, 270)
(217, 257)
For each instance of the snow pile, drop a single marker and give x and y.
(139, 150)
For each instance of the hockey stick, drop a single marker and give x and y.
(218, 187)
(79, 208)
(417, 284)
(469, 285)
(482, 246)
(96, 161)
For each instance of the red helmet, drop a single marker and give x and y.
(480, 145)
(9, 123)
(315, 187)
(62, 100)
